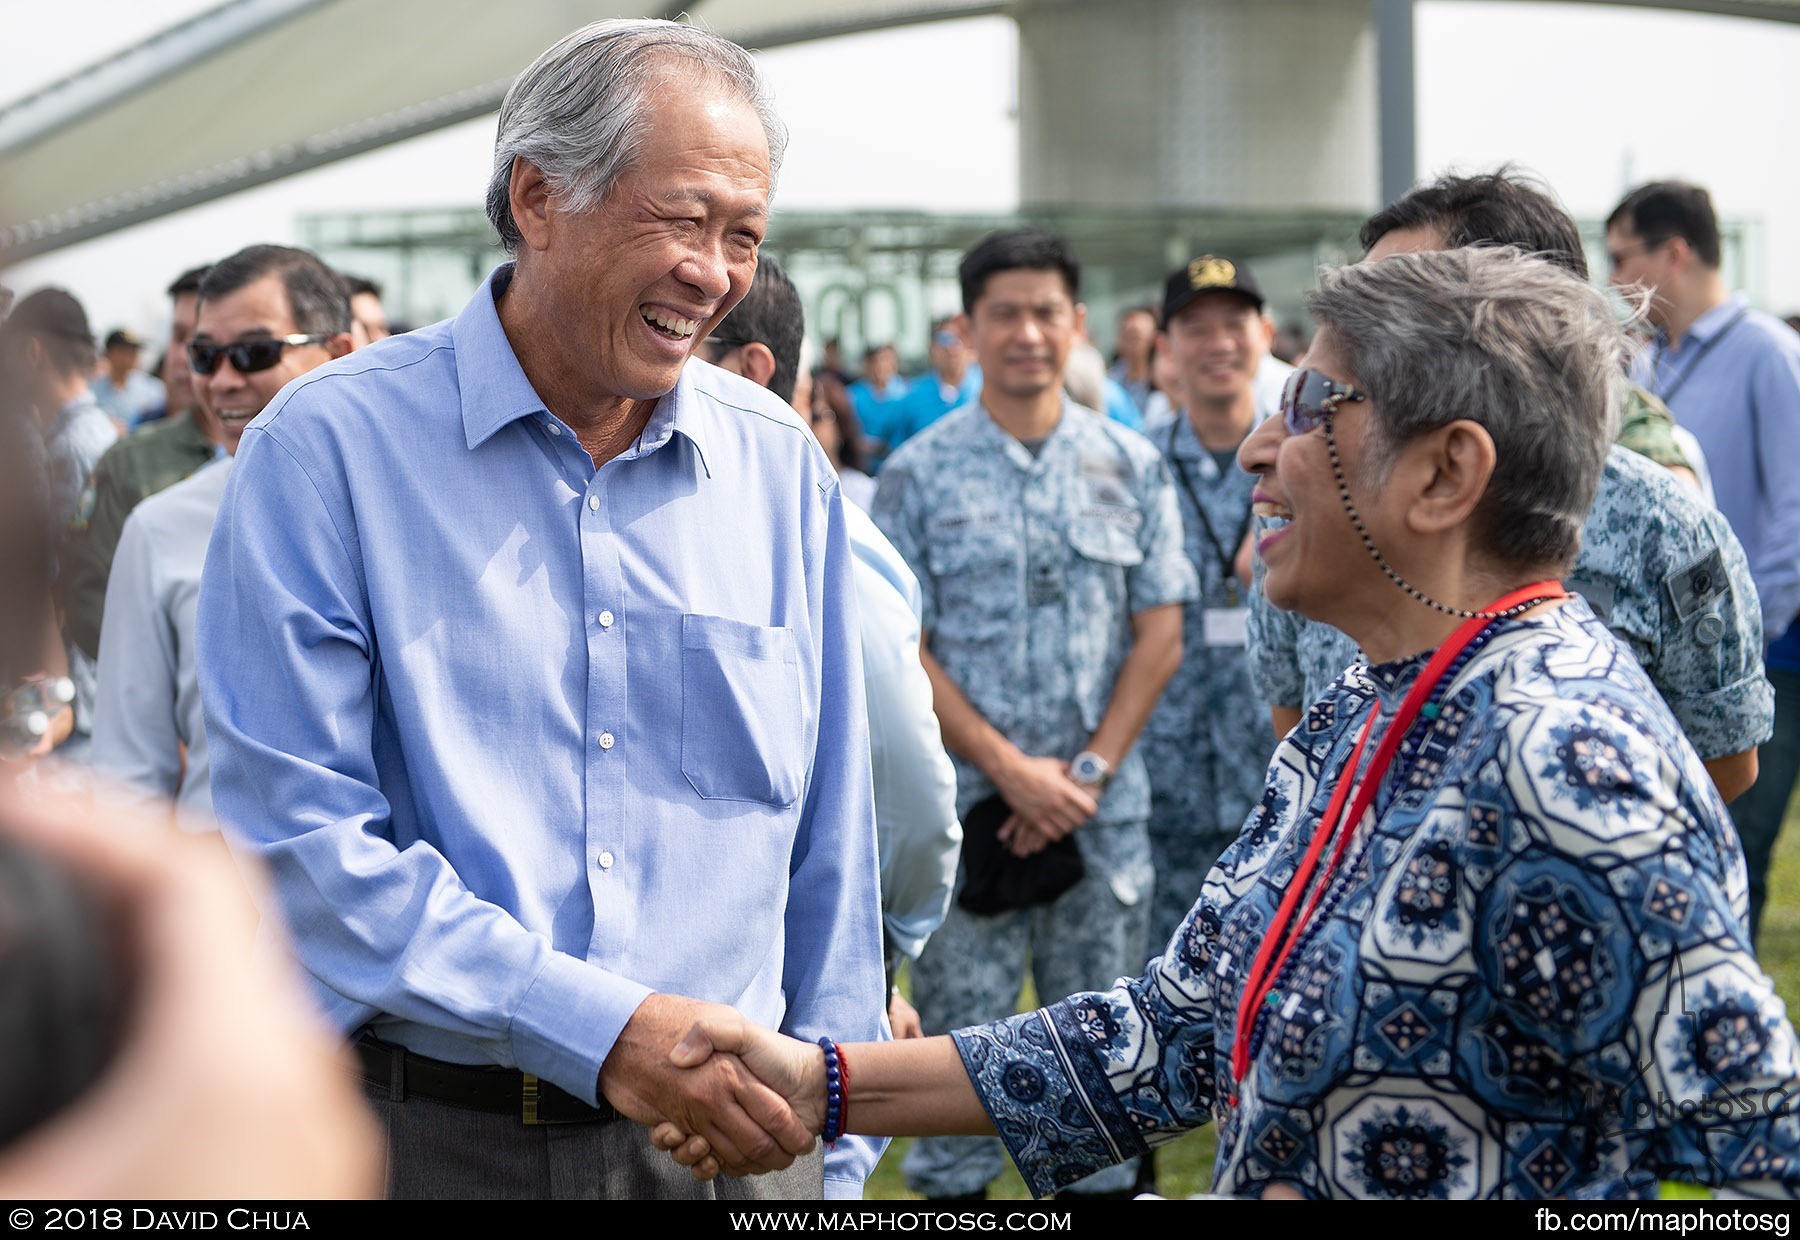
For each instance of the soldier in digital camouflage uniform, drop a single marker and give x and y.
(1047, 544)
(1660, 567)
(1206, 747)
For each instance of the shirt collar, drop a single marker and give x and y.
(1711, 323)
(496, 392)
(1017, 452)
(1186, 443)
(493, 385)
(1189, 448)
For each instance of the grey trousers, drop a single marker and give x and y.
(438, 1151)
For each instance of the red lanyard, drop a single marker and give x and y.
(1337, 828)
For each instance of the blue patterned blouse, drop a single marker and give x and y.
(1530, 976)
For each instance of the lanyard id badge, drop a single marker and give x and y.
(1227, 626)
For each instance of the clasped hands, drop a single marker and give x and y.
(730, 1096)
(1046, 804)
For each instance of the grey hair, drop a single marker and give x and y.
(578, 113)
(1497, 337)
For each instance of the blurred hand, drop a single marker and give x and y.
(748, 1126)
(793, 1069)
(904, 1018)
(62, 726)
(227, 1084)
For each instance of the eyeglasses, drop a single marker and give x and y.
(1616, 258)
(246, 356)
(1309, 398)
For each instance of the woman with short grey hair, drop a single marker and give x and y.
(1485, 934)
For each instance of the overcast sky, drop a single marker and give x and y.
(1593, 98)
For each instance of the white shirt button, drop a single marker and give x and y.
(606, 740)
(554, 427)
(606, 860)
(605, 618)
(593, 503)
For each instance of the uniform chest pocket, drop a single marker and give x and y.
(743, 724)
(1108, 535)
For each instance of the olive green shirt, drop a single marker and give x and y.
(1647, 428)
(135, 468)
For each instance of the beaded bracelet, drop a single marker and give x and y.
(837, 1083)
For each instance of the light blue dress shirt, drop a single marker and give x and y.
(148, 728)
(1735, 383)
(524, 741)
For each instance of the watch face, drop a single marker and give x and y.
(1087, 769)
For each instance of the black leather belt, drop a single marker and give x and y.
(475, 1087)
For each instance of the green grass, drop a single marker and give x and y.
(1185, 1166)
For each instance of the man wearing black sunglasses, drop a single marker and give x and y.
(267, 315)
(1658, 566)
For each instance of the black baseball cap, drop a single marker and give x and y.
(119, 336)
(1209, 273)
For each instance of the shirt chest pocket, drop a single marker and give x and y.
(1108, 535)
(743, 723)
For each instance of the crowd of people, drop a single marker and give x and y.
(610, 707)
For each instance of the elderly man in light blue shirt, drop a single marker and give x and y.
(530, 664)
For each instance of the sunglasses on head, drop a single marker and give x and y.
(246, 356)
(1309, 398)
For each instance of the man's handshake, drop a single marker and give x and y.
(915, 1087)
(777, 1082)
(730, 1096)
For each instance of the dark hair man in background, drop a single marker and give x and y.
(1047, 545)
(129, 396)
(369, 320)
(952, 382)
(1731, 375)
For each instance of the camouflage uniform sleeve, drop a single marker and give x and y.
(1274, 650)
(1647, 428)
(1709, 662)
(1166, 575)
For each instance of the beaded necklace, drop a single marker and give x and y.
(1338, 826)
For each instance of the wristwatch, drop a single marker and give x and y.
(1088, 767)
